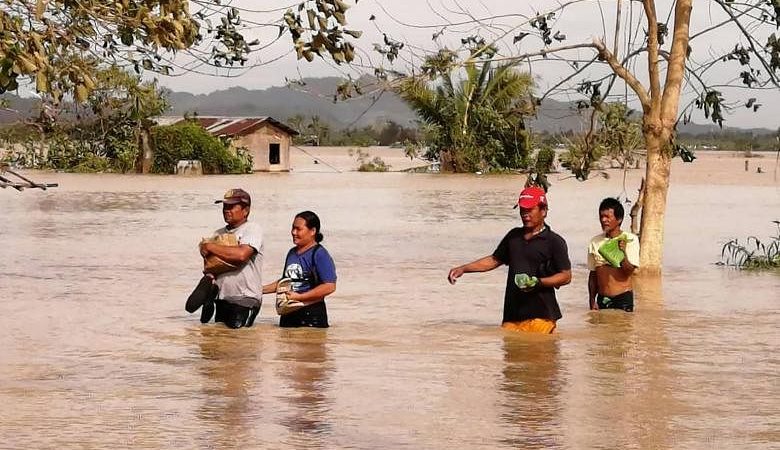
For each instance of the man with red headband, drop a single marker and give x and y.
(538, 261)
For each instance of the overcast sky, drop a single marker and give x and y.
(415, 21)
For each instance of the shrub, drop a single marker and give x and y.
(364, 165)
(545, 160)
(375, 165)
(92, 164)
(190, 141)
(754, 254)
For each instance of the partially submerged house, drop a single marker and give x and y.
(267, 139)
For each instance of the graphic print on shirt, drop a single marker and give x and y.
(295, 272)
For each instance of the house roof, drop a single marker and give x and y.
(238, 126)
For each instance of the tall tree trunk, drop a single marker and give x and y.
(145, 158)
(660, 116)
(654, 208)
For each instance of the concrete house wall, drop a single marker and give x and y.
(259, 143)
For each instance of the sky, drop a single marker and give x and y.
(414, 22)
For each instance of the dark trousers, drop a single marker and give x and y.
(624, 301)
(232, 315)
(314, 315)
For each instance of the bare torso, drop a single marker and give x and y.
(612, 281)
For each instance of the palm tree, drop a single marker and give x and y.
(319, 130)
(476, 124)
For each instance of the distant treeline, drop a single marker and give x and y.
(731, 141)
(727, 140)
(313, 131)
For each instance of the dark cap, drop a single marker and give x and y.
(235, 196)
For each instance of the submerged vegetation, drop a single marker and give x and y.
(754, 254)
(189, 141)
(368, 165)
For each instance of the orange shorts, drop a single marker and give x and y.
(543, 326)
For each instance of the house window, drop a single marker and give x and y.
(274, 154)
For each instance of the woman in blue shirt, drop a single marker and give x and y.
(312, 271)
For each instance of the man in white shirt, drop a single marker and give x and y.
(613, 255)
(239, 291)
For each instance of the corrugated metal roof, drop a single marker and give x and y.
(238, 126)
(235, 127)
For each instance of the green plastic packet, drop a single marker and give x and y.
(523, 281)
(610, 250)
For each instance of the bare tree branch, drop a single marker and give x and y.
(671, 95)
(621, 71)
(652, 56)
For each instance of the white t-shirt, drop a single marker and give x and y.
(248, 280)
(596, 260)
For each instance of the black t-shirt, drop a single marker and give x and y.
(541, 256)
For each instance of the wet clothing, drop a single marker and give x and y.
(233, 315)
(624, 301)
(247, 281)
(240, 312)
(308, 270)
(234, 296)
(541, 326)
(543, 255)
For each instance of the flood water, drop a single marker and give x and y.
(98, 352)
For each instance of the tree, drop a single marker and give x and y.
(619, 135)
(673, 71)
(319, 131)
(296, 122)
(124, 106)
(60, 43)
(104, 133)
(476, 123)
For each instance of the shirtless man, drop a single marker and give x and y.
(610, 287)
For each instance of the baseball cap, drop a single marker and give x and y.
(234, 196)
(531, 196)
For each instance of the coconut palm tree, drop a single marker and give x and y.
(476, 123)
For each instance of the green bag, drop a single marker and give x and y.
(523, 281)
(611, 251)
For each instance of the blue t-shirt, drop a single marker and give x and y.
(300, 268)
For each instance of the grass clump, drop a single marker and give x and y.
(754, 254)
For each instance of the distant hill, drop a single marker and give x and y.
(284, 102)
(18, 108)
(315, 97)
(317, 100)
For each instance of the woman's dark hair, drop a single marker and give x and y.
(312, 221)
(614, 205)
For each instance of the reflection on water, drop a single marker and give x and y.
(79, 202)
(230, 365)
(306, 370)
(97, 351)
(531, 391)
